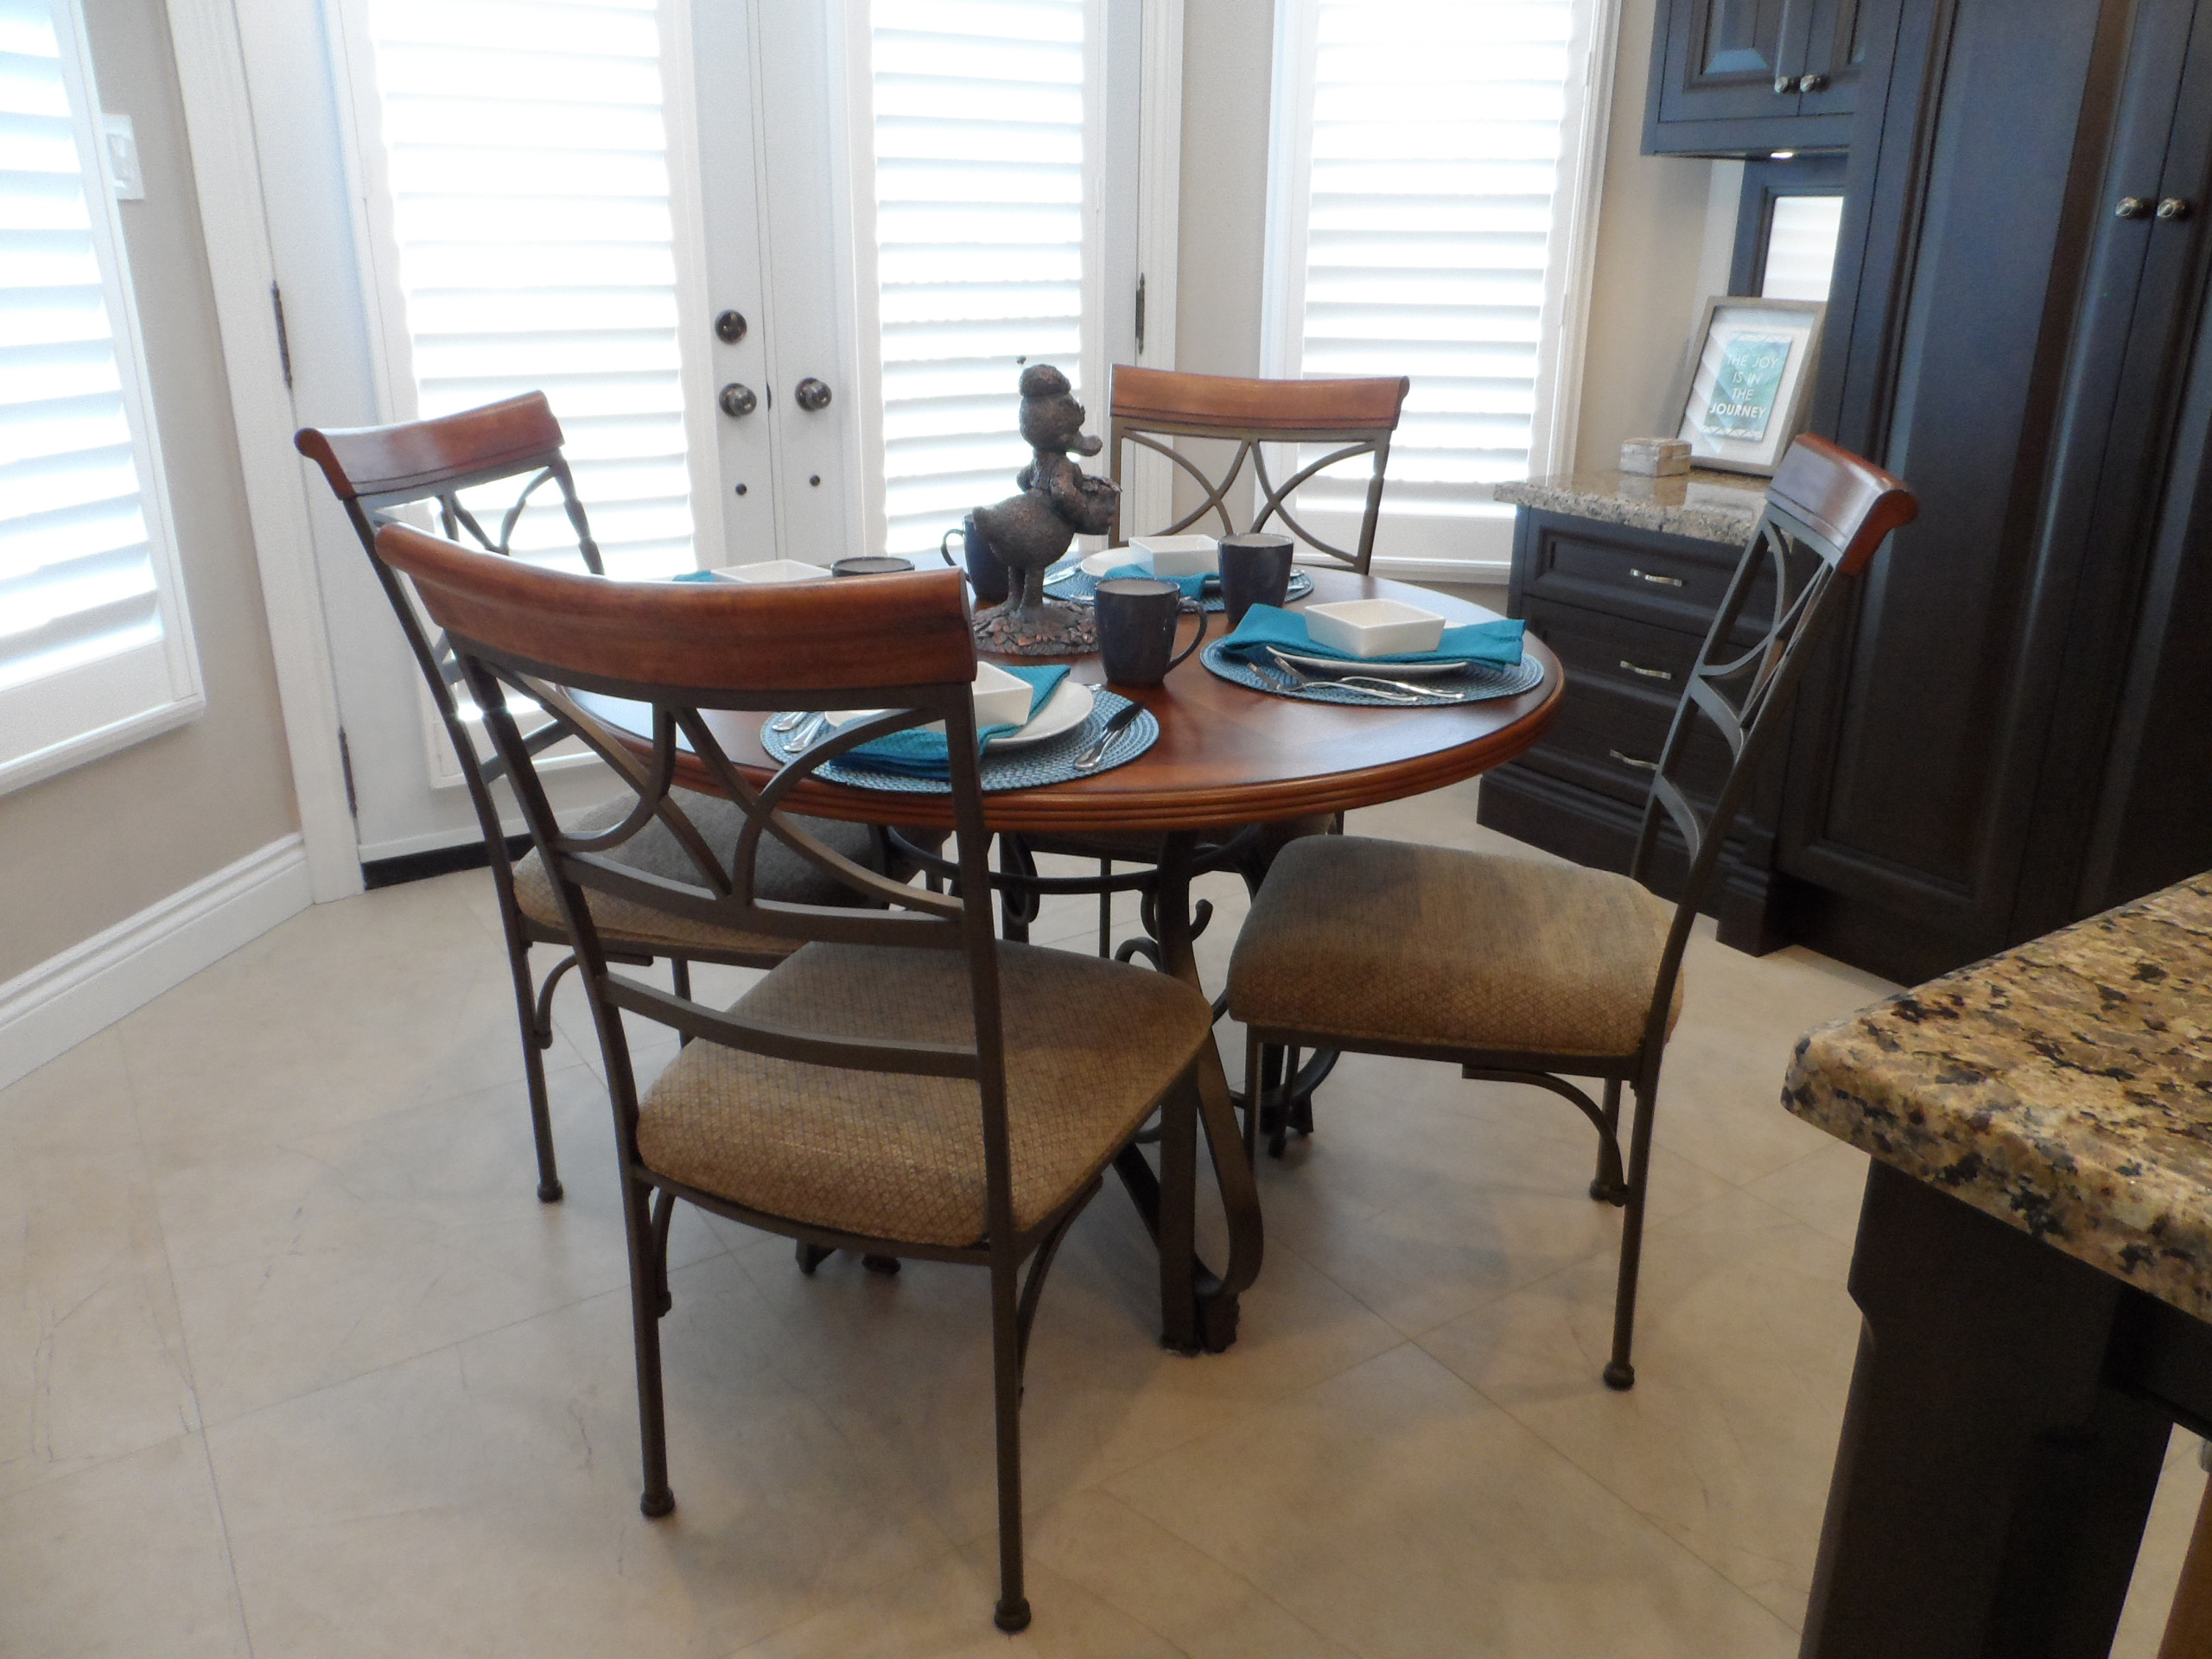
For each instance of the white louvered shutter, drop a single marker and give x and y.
(1424, 239)
(523, 153)
(95, 645)
(981, 237)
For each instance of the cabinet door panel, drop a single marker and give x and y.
(1722, 58)
(1835, 51)
(1918, 759)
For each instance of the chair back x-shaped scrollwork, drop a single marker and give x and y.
(1353, 417)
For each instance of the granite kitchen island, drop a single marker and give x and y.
(2034, 1265)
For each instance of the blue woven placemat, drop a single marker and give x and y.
(1477, 682)
(1052, 762)
(1073, 582)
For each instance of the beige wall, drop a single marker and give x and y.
(1656, 240)
(81, 851)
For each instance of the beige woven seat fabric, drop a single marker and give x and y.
(1391, 942)
(779, 874)
(1090, 1046)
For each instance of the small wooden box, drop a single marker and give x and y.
(1655, 457)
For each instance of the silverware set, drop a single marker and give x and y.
(1279, 668)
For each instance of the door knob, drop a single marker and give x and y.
(729, 327)
(2173, 207)
(2133, 207)
(813, 397)
(738, 401)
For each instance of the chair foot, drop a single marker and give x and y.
(886, 1265)
(1012, 1615)
(657, 1503)
(1612, 1192)
(1620, 1377)
(548, 1191)
(811, 1257)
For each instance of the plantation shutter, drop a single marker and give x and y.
(523, 160)
(95, 645)
(1425, 237)
(981, 239)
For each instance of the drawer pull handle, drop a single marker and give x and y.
(1647, 576)
(1630, 760)
(1647, 673)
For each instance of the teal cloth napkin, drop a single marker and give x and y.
(918, 753)
(1496, 643)
(696, 576)
(1193, 587)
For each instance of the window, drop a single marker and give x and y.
(524, 240)
(1427, 218)
(984, 204)
(95, 645)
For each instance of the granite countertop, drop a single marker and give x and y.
(1703, 505)
(2064, 1087)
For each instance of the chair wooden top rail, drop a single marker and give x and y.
(425, 457)
(1169, 400)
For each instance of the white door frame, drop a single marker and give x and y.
(227, 170)
(227, 174)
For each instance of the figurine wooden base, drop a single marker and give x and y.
(1052, 629)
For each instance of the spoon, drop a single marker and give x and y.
(1091, 757)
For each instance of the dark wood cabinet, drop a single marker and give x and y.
(1625, 610)
(2000, 740)
(1750, 77)
(2013, 728)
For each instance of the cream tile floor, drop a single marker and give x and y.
(292, 1362)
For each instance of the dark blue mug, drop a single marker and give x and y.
(991, 580)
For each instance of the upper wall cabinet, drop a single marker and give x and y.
(1747, 78)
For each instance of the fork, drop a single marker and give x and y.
(1385, 690)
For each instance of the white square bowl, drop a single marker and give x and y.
(1375, 627)
(773, 570)
(1000, 698)
(1176, 555)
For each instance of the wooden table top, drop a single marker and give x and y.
(1227, 755)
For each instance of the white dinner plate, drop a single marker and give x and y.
(1332, 667)
(1067, 708)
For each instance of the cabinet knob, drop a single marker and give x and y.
(2133, 207)
(1784, 84)
(1812, 83)
(2173, 207)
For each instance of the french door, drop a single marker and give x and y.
(776, 264)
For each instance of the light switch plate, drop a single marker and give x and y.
(123, 157)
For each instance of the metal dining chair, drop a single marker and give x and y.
(1522, 971)
(904, 1084)
(374, 469)
(1351, 419)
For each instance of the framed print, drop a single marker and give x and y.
(1746, 381)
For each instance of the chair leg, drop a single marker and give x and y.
(1619, 1374)
(1013, 1610)
(679, 979)
(1607, 1191)
(533, 1068)
(1105, 909)
(1256, 1092)
(644, 1322)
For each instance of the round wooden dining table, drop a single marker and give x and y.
(1227, 756)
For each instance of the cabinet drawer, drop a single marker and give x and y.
(1640, 656)
(1608, 737)
(1672, 581)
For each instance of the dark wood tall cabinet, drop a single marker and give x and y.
(2016, 726)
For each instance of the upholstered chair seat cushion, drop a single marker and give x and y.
(1393, 943)
(1090, 1048)
(779, 874)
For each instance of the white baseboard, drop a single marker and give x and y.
(89, 987)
